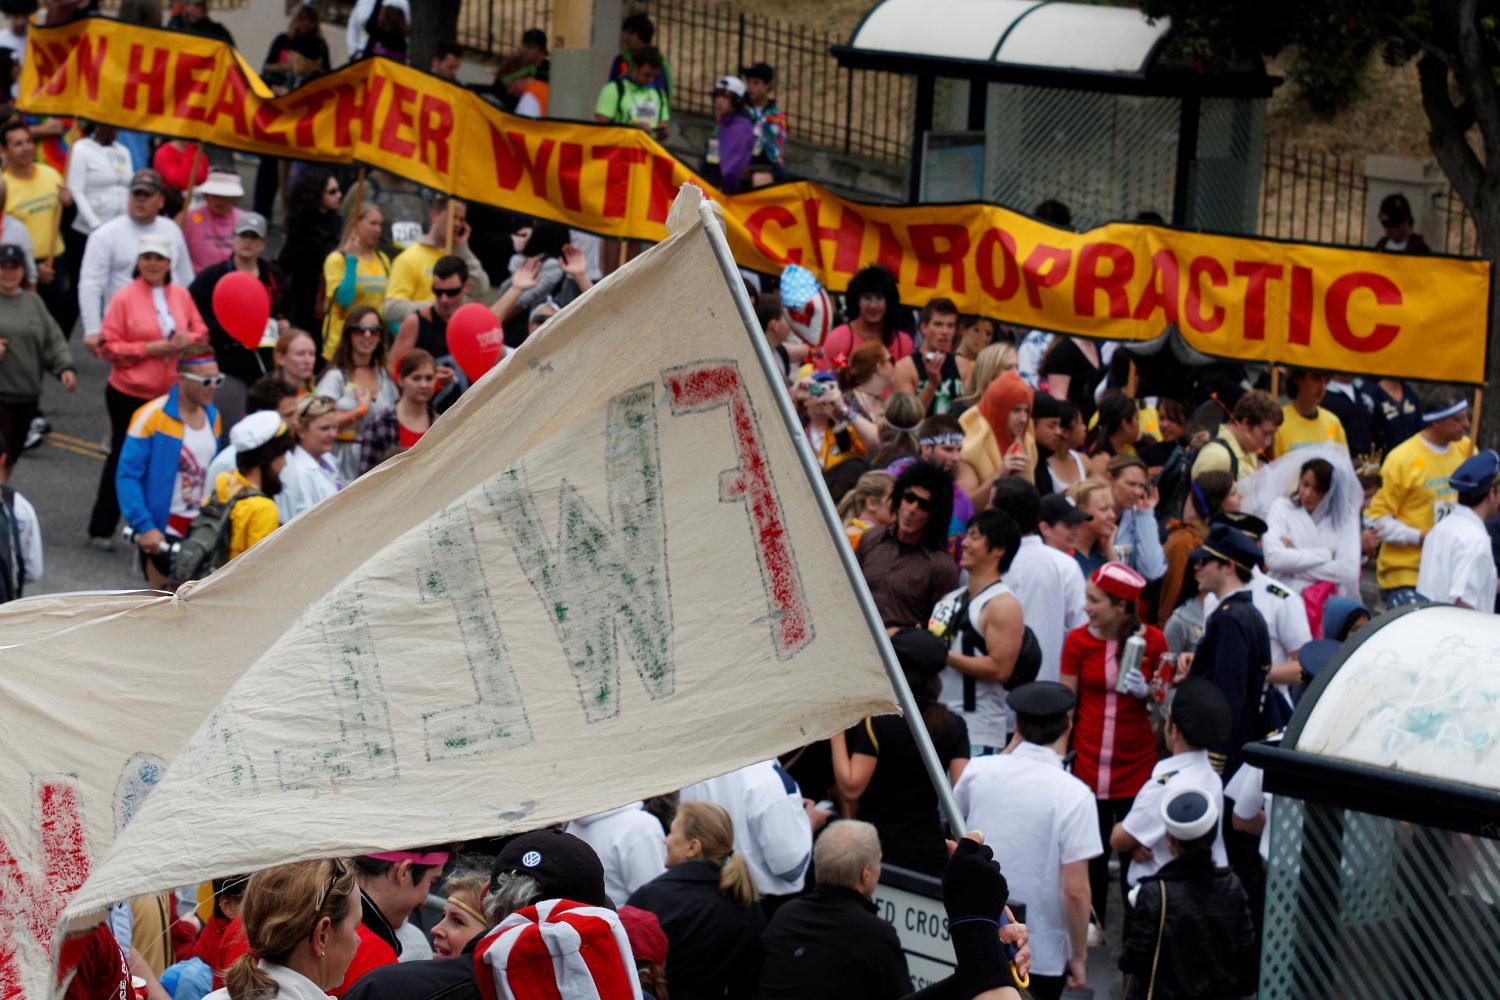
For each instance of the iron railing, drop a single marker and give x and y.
(862, 112)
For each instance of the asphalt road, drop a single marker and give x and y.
(60, 476)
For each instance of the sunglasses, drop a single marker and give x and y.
(373, 331)
(921, 503)
(206, 381)
(448, 293)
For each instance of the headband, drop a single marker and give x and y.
(205, 359)
(415, 857)
(907, 429)
(466, 908)
(938, 440)
(1451, 410)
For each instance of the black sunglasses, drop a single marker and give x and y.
(921, 503)
(373, 330)
(448, 293)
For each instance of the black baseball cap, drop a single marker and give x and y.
(535, 37)
(12, 254)
(759, 71)
(564, 866)
(1057, 508)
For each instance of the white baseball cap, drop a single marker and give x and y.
(731, 84)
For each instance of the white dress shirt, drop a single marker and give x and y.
(1144, 821)
(1050, 587)
(1283, 610)
(1037, 817)
(305, 483)
(630, 845)
(1457, 562)
(771, 829)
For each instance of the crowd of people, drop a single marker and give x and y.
(1104, 566)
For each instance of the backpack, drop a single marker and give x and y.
(11, 571)
(1028, 658)
(206, 545)
(1176, 479)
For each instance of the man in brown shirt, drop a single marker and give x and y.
(906, 564)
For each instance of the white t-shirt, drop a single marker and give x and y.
(630, 845)
(1050, 587)
(1037, 817)
(198, 446)
(1144, 822)
(1249, 801)
(990, 721)
(771, 830)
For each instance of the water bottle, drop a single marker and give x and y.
(1130, 662)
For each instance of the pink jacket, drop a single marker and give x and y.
(130, 324)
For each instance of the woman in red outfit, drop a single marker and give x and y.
(1115, 747)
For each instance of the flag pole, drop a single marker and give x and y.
(831, 521)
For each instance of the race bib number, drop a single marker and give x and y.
(404, 233)
(270, 334)
(1441, 509)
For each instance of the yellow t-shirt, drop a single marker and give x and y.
(371, 276)
(1414, 489)
(1213, 458)
(411, 273)
(1296, 431)
(250, 520)
(34, 202)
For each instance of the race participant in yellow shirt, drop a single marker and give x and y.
(410, 287)
(1415, 493)
(1303, 421)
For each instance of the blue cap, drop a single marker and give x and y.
(1228, 545)
(1478, 472)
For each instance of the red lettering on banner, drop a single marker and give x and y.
(48, 65)
(513, 160)
(663, 190)
(617, 177)
(1300, 315)
(434, 127)
(360, 103)
(1256, 273)
(1089, 282)
(231, 102)
(847, 239)
(888, 254)
(984, 257)
(90, 54)
(569, 172)
(1193, 307)
(60, 55)
(1036, 278)
(930, 260)
(772, 215)
(261, 121)
(708, 386)
(1336, 309)
(1160, 294)
(397, 117)
(309, 105)
(33, 896)
(189, 79)
(153, 78)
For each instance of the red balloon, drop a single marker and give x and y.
(475, 339)
(243, 307)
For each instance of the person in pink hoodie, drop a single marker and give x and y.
(146, 325)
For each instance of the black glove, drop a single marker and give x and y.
(974, 894)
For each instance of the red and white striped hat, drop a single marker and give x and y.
(1119, 581)
(557, 950)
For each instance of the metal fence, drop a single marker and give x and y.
(855, 111)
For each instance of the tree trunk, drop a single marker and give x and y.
(1487, 221)
(433, 21)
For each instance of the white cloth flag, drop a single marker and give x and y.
(601, 576)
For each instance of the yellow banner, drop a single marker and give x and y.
(1259, 300)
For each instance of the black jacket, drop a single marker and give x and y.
(235, 358)
(432, 979)
(713, 943)
(828, 945)
(1235, 653)
(1207, 943)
